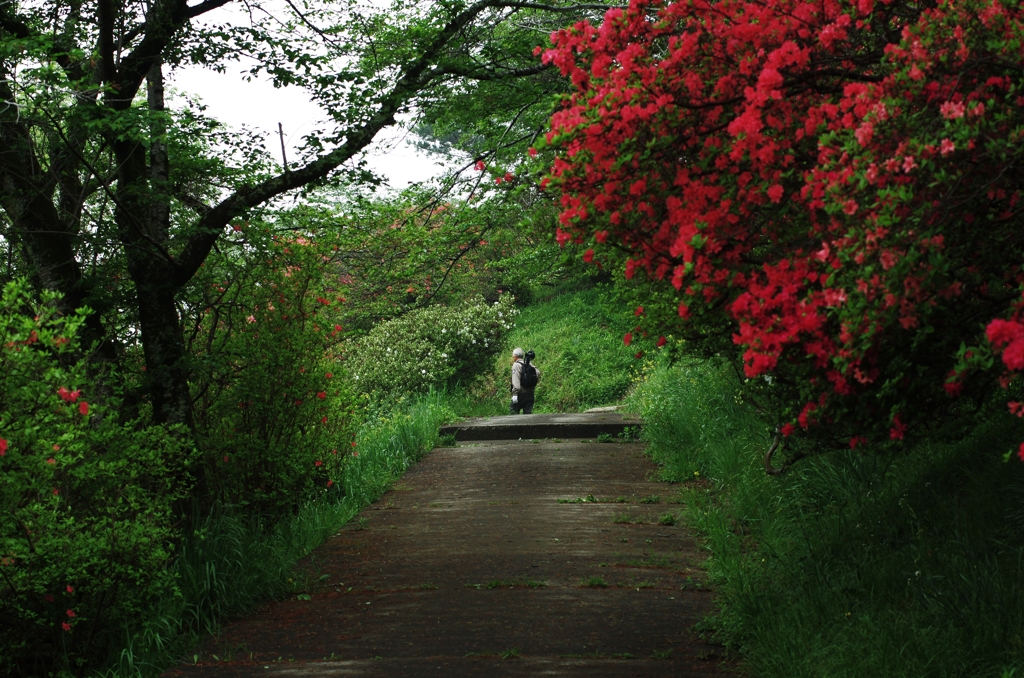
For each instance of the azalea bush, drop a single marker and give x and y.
(828, 191)
(432, 347)
(273, 415)
(87, 503)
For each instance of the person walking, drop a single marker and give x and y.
(524, 380)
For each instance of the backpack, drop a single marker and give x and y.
(528, 377)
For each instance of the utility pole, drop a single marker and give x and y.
(284, 158)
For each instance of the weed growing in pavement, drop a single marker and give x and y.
(579, 500)
(627, 517)
(511, 653)
(661, 654)
(593, 582)
(605, 438)
(516, 583)
(659, 562)
(652, 499)
(667, 519)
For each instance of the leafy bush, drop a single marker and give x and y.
(431, 347)
(271, 416)
(86, 503)
(852, 564)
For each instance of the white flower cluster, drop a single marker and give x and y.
(432, 347)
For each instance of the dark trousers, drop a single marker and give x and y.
(525, 403)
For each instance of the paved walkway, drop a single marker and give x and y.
(493, 558)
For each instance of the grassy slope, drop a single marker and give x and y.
(583, 362)
(851, 565)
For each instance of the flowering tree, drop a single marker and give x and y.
(834, 185)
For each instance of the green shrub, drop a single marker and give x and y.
(273, 410)
(432, 347)
(86, 503)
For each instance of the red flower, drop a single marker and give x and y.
(661, 342)
(323, 420)
(329, 375)
(628, 339)
(3, 447)
(318, 463)
(321, 395)
(66, 626)
(639, 354)
(70, 588)
(588, 256)
(639, 311)
(330, 483)
(51, 461)
(788, 429)
(71, 613)
(479, 166)
(83, 407)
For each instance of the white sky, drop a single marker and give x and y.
(257, 104)
(234, 102)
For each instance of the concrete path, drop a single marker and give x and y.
(496, 558)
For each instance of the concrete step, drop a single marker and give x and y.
(539, 426)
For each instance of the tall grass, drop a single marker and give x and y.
(851, 564)
(232, 562)
(577, 336)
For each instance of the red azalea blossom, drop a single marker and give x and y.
(661, 341)
(329, 375)
(858, 177)
(628, 339)
(3, 447)
(71, 613)
(318, 464)
(639, 354)
(70, 588)
(66, 626)
(51, 461)
(321, 395)
(83, 407)
(330, 483)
